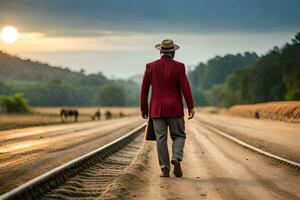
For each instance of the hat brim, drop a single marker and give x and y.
(158, 46)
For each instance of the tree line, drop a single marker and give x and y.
(247, 78)
(64, 94)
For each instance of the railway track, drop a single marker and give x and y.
(86, 177)
(219, 131)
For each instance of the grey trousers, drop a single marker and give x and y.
(177, 132)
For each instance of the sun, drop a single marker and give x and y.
(9, 34)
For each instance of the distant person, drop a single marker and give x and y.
(169, 81)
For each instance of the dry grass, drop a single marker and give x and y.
(88, 110)
(211, 110)
(50, 115)
(20, 121)
(283, 111)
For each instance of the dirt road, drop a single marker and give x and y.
(216, 168)
(27, 153)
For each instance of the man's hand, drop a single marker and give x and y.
(191, 113)
(144, 115)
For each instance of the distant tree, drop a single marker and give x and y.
(214, 73)
(293, 95)
(216, 70)
(1, 87)
(216, 95)
(14, 104)
(56, 81)
(297, 38)
(200, 98)
(131, 90)
(111, 95)
(274, 77)
(82, 71)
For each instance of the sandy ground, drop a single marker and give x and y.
(93, 181)
(27, 153)
(280, 138)
(214, 168)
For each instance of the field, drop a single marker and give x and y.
(50, 115)
(283, 111)
(211, 110)
(87, 110)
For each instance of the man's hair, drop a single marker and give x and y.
(168, 53)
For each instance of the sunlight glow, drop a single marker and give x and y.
(9, 34)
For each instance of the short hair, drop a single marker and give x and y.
(169, 53)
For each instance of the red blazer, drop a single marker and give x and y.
(169, 81)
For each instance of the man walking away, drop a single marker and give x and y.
(169, 82)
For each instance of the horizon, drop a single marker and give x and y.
(112, 76)
(118, 40)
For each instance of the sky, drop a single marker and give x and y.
(117, 37)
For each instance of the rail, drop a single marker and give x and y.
(44, 183)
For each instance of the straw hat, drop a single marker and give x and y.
(167, 46)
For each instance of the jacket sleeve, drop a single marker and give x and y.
(185, 88)
(144, 92)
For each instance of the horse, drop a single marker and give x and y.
(108, 115)
(65, 113)
(121, 114)
(96, 114)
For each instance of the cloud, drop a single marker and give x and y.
(115, 41)
(92, 17)
(85, 33)
(117, 37)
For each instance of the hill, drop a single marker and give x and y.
(14, 68)
(46, 85)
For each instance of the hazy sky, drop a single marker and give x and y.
(117, 37)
